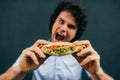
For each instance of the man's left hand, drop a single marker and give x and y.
(88, 58)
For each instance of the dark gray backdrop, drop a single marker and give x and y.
(22, 22)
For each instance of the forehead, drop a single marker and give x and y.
(67, 16)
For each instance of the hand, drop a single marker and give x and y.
(32, 57)
(88, 57)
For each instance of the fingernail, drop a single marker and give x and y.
(37, 63)
(81, 64)
(78, 54)
(44, 56)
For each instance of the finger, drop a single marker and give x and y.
(32, 56)
(41, 42)
(79, 59)
(82, 42)
(90, 58)
(86, 51)
(37, 51)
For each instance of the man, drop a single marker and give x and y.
(67, 23)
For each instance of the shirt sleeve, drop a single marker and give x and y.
(89, 75)
(16, 62)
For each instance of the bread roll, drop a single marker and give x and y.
(60, 48)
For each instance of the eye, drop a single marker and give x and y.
(72, 26)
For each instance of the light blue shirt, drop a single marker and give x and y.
(58, 68)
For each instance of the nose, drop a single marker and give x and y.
(64, 28)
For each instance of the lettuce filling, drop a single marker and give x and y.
(59, 50)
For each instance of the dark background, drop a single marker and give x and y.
(22, 22)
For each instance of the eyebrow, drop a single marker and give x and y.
(61, 19)
(64, 20)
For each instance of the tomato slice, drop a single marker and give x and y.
(53, 47)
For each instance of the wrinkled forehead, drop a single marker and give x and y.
(67, 16)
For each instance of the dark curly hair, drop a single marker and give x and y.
(77, 12)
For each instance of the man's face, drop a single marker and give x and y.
(64, 27)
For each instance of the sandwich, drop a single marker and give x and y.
(61, 48)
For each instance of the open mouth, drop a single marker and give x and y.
(60, 37)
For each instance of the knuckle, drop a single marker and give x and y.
(24, 50)
(92, 50)
(77, 41)
(36, 49)
(41, 41)
(38, 41)
(90, 57)
(87, 41)
(98, 56)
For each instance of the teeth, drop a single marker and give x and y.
(59, 36)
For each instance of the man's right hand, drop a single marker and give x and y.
(32, 57)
